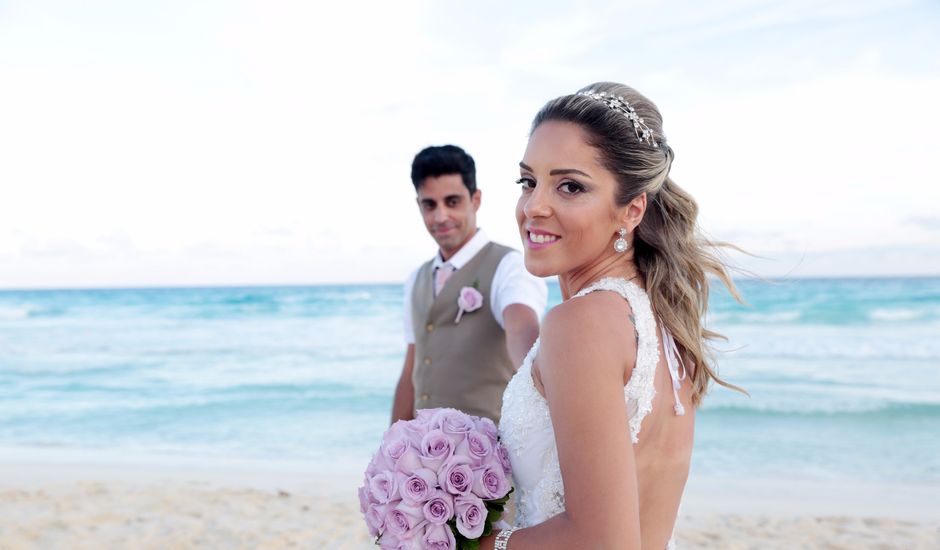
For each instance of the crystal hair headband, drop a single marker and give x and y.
(619, 104)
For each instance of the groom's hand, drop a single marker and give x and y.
(403, 407)
(521, 324)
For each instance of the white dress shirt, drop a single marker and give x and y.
(512, 284)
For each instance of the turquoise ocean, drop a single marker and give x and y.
(843, 375)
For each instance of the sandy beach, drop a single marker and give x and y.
(51, 500)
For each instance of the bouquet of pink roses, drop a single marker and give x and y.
(439, 481)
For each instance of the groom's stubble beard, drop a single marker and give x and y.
(453, 234)
(448, 210)
(452, 241)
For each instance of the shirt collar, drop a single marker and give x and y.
(466, 253)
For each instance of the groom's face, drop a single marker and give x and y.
(449, 211)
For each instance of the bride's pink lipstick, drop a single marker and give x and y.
(537, 239)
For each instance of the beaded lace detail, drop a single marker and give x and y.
(526, 427)
(527, 434)
(640, 390)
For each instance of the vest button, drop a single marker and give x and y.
(430, 327)
(425, 397)
(427, 360)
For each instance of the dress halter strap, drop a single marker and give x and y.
(645, 328)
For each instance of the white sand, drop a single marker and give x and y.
(52, 499)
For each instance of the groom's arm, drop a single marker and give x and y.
(522, 328)
(403, 407)
(518, 301)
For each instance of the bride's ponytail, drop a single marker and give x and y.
(676, 260)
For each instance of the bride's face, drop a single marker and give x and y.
(567, 214)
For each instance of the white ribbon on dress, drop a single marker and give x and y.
(675, 365)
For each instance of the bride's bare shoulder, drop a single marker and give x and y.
(592, 329)
(596, 310)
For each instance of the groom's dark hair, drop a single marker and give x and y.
(441, 160)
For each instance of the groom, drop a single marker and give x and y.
(471, 312)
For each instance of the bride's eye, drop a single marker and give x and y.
(571, 188)
(527, 183)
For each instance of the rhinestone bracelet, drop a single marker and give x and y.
(502, 539)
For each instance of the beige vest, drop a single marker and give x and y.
(465, 366)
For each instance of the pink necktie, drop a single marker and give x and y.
(440, 277)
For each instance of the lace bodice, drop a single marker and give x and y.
(526, 427)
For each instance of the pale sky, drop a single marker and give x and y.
(200, 143)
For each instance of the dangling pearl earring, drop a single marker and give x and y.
(621, 245)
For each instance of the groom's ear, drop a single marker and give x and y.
(475, 199)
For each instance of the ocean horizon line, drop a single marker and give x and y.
(549, 280)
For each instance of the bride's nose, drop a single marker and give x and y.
(536, 204)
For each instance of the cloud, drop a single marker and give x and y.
(930, 223)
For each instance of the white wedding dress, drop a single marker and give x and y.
(526, 427)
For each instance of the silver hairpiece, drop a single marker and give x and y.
(619, 104)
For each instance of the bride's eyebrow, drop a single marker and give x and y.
(566, 171)
(557, 171)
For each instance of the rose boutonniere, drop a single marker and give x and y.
(469, 301)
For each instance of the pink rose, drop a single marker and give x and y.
(435, 449)
(417, 488)
(489, 482)
(391, 542)
(469, 300)
(424, 416)
(394, 445)
(364, 500)
(414, 431)
(409, 462)
(396, 429)
(471, 516)
(410, 430)
(455, 476)
(454, 423)
(383, 487)
(439, 508)
(379, 463)
(502, 453)
(404, 520)
(477, 447)
(488, 427)
(375, 518)
(439, 537)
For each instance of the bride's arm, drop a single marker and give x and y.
(587, 345)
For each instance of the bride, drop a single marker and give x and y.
(599, 419)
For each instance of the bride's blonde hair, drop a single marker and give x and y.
(670, 251)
